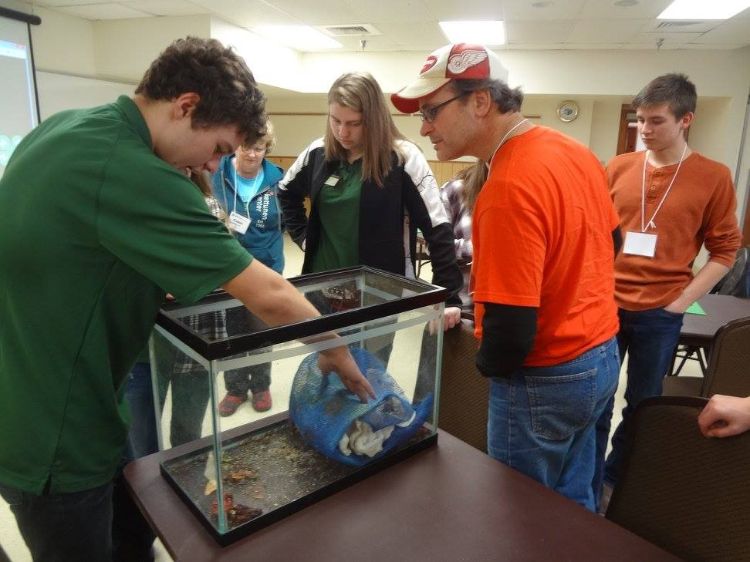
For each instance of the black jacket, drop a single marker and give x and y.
(389, 216)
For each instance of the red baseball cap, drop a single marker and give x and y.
(461, 61)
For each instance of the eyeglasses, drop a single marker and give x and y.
(255, 149)
(429, 114)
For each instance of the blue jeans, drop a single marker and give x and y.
(649, 337)
(542, 420)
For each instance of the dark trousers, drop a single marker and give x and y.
(190, 395)
(649, 337)
(97, 525)
(256, 378)
(190, 398)
(248, 379)
(427, 364)
(190, 391)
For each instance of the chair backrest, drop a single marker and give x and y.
(737, 280)
(464, 392)
(680, 490)
(729, 364)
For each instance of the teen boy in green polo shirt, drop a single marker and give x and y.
(99, 222)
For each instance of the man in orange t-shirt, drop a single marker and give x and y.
(543, 280)
(671, 200)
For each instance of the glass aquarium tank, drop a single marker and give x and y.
(253, 431)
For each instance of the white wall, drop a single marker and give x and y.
(63, 44)
(596, 126)
(718, 73)
(125, 48)
(294, 132)
(63, 91)
(605, 125)
(708, 129)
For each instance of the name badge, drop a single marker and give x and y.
(332, 181)
(640, 244)
(238, 223)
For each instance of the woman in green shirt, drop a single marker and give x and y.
(370, 190)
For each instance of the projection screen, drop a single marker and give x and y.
(18, 98)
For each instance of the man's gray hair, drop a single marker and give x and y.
(506, 98)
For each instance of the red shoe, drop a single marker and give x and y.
(262, 401)
(230, 403)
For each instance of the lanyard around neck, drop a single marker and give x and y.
(502, 140)
(256, 179)
(650, 223)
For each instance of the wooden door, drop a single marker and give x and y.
(628, 135)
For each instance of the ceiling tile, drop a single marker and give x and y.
(606, 9)
(110, 11)
(450, 10)
(716, 46)
(317, 12)
(247, 13)
(412, 25)
(167, 7)
(604, 31)
(691, 26)
(734, 31)
(604, 46)
(552, 10)
(522, 32)
(640, 45)
(667, 40)
(415, 11)
(61, 3)
(430, 37)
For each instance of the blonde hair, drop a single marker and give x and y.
(202, 180)
(473, 178)
(360, 92)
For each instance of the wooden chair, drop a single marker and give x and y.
(682, 491)
(728, 369)
(464, 392)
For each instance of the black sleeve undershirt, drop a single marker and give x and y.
(508, 334)
(617, 240)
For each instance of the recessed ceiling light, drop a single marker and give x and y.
(300, 37)
(482, 32)
(626, 3)
(703, 10)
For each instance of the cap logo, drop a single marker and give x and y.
(429, 63)
(460, 62)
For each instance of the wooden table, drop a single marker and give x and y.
(698, 330)
(447, 503)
